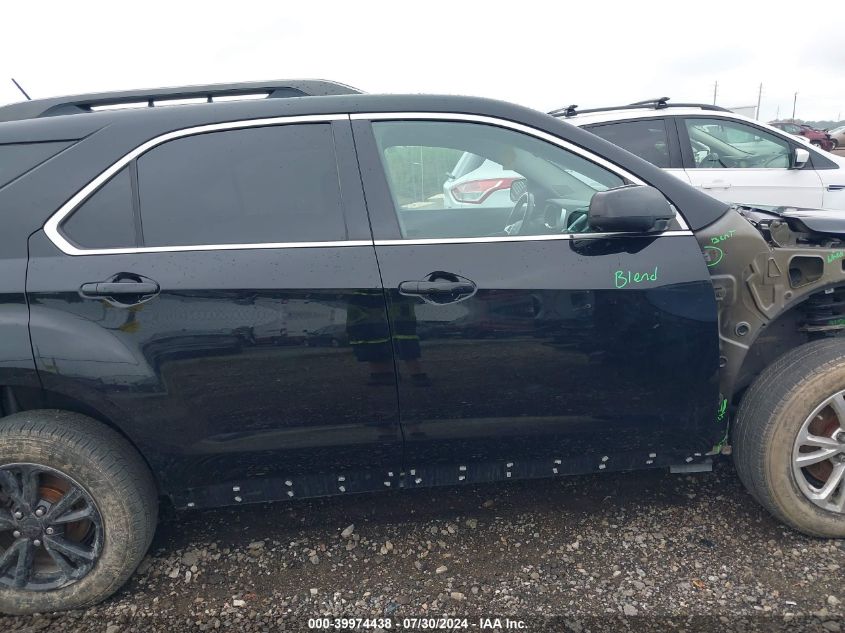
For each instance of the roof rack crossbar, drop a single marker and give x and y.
(568, 111)
(78, 104)
(657, 104)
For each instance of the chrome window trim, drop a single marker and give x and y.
(51, 227)
(526, 238)
(519, 127)
(214, 247)
(353, 243)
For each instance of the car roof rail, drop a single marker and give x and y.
(657, 104)
(177, 95)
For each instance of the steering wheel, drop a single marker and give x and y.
(579, 224)
(522, 210)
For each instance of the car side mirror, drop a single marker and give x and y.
(800, 157)
(630, 209)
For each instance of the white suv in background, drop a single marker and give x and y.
(729, 156)
(475, 181)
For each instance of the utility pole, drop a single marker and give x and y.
(777, 116)
(715, 92)
(794, 103)
(759, 98)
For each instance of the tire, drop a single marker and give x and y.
(816, 144)
(110, 473)
(770, 416)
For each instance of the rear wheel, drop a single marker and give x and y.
(816, 144)
(789, 438)
(78, 510)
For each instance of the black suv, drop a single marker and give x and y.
(265, 296)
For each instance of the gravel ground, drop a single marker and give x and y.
(644, 551)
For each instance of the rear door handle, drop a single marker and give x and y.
(436, 288)
(119, 288)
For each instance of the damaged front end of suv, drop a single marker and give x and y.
(779, 279)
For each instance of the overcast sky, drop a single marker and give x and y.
(539, 54)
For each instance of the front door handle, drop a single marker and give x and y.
(436, 288)
(716, 184)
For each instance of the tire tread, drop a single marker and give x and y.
(760, 410)
(96, 443)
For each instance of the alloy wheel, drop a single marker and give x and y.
(818, 455)
(51, 532)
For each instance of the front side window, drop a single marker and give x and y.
(720, 143)
(249, 186)
(454, 179)
(645, 138)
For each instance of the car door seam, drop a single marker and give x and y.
(383, 294)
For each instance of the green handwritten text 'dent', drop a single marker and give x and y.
(832, 257)
(623, 278)
(723, 237)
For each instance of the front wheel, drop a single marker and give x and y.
(789, 438)
(78, 509)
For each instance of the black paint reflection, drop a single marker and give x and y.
(377, 344)
(220, 378)
(549, 360)
(16, 365)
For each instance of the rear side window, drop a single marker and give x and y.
(18, 158)
(106, 219)
(645, 138)
(250, 186)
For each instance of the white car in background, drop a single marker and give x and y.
(476, 182)
(729, 156)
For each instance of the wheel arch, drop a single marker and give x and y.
(786, 332)
(17, 399)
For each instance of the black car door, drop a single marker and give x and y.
(526, 345)
(211, 294)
